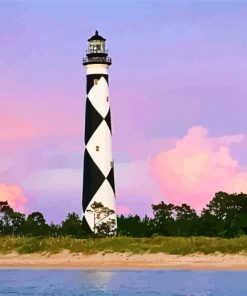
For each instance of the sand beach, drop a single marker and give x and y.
(67, 260)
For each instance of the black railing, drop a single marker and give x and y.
(96, 60)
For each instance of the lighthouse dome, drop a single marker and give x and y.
(96, 36)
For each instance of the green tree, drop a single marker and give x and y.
(5, 212)
(229, 212)
(210, 225)
(55, 230)
(36, 225)
(72, 225)
(135, 226)
(164, 222)
(129, 226)
(4, 206)
(101, 215)
(18, 223)
(11, 222)
(186, 220)
(6, 222)
(106, 228)
(219, 205)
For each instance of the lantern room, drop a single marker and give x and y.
(96, 52)
(96, 44)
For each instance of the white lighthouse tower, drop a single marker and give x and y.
(98, 177)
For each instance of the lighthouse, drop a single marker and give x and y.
(98, 173)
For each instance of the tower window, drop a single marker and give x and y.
(95, 81)
(97, 148)
(107, 99)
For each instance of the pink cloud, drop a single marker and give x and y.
(197, 167)
(14, 195)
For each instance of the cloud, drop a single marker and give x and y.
(55, 192)
(54, 180)
(14, 195)
(136, 189)
(197, 167)
(190, 169)
(134, 179)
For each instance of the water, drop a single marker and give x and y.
(122, 282)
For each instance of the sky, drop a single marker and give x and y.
(178, 93)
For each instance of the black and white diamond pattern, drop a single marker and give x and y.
(98, 177)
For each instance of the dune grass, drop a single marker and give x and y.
(157, 244)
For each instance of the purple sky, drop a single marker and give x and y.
(178, 90)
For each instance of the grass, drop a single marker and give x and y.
(157, 244)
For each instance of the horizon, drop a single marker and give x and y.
(177, 91)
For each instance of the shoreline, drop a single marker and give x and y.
(121, 261)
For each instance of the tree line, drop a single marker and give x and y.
(224, 216)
